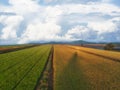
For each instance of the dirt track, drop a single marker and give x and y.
(49, 70)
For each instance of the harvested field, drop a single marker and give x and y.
(89, 73)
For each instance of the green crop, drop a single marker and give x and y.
(20, 70)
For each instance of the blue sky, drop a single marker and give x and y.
(24, 21)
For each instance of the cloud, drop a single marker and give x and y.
(96, 31)
(11, 24)
(21, 7)
(53, 2)
(102, 27)
(25, 21)
(80, 32)
(40, 32)
(105, 9)
(76, 32)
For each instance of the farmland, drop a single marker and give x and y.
(78, 70)
(60, 67)
(101, 46)
(97, 46)
(20, 70)
(10, 48)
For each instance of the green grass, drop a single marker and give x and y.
(20, 70)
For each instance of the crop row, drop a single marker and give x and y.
(8, 61)
(18, 67)
(30, 65)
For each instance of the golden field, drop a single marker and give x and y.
(78, 70)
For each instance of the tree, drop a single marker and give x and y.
(109, 46)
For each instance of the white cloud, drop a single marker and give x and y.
(108, 9)
(26, 8)
(40, 32)
(43, 23)
(69, 1)
(102, 27)
(96, 31)
(23, 7)
(11, 24)
(53, 14)
(81, 32)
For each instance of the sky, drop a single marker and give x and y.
(26, 21)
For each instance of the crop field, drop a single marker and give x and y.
(97, 46)
(109, 54)
(60, 67)
(10, 48)
(20, 70)
(75, 69)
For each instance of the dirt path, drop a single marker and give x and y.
(45, 80)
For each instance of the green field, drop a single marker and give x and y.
(10, 48)
(20, 70)
(13, 46)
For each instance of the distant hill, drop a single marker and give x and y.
(69, 42)
(80, 42)
(73, 42)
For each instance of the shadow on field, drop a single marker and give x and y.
(71, 77)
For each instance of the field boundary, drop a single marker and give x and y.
(16, 49)
(110, 58)
(51, 76)
(48, 70)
